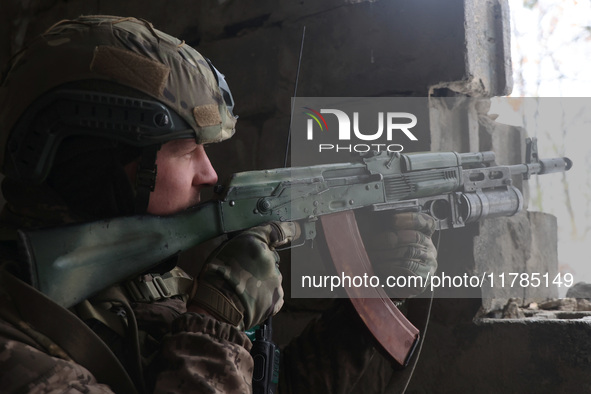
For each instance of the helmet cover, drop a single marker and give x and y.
(125, 51)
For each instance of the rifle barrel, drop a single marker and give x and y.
(543, 166)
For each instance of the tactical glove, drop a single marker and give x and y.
(240, 282)
(400, 246)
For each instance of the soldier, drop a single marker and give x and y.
(105, 116)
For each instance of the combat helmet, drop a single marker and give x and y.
(112, 77)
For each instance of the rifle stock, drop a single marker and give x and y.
(71, 263)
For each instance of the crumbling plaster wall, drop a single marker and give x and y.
(361, 48)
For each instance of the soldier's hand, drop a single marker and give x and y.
(240, 282)
(400, 246)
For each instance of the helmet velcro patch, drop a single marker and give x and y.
(131, 69)
(207, 115)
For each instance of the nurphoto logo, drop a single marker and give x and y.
(394, 124)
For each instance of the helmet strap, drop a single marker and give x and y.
(145, 179)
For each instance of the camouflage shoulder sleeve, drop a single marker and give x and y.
(202, 354)
(26, 369)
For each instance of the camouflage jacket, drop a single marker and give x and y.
(180, 352)
(188, 352)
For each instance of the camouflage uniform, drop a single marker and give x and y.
(161, 346)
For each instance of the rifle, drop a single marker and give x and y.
(71, 263)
